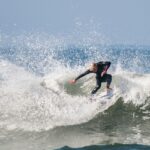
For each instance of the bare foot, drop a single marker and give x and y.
(108, 90)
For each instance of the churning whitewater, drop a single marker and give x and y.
(35, 95)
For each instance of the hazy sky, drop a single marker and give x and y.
(119, 20)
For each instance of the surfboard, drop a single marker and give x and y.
(106, 94)
(104, 100)
(103, 97)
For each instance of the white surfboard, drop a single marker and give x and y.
(106, 95)
(105, 99)
(103, 95)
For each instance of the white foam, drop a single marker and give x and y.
(28, 105)
(25, 104)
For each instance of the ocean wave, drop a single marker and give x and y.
(35, 68)
(108, 147)
(35, 103)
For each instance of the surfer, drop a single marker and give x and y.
(100, 69)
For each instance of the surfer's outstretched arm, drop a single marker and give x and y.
(80, 76)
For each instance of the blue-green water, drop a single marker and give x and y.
(110, 147)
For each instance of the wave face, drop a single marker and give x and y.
(108, 147)
(37, 101)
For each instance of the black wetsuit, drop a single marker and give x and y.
(101, 66)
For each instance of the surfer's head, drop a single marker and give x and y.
(93, 67)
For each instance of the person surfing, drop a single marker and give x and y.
(100, 69)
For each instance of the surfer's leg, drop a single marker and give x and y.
(107, 78)
(98, 85)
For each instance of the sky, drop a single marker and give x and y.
(121, 21)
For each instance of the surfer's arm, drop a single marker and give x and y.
(107, 65)
(82, 75)
(106, 68)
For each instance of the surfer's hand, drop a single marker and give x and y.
(102, 74)
(72, 81)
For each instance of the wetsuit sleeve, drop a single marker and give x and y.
(107, 63)
(99, 63)
(106, 66)
(83, 74)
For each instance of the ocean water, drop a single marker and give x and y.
(40, 110)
